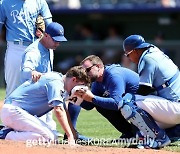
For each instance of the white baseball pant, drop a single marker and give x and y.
(12, 63)
(26, 126)
(166, 113)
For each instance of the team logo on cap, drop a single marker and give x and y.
(61, 32)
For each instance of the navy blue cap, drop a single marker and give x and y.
(134, 42)
(56, 31)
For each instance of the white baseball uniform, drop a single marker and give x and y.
(30, 101)
(19, 18)
(157, 70)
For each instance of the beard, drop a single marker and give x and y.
(94, 78)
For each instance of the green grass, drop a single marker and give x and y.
(92, 124)
(2, 94)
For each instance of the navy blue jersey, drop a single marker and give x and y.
(117, 80)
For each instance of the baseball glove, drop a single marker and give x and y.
(40, 23)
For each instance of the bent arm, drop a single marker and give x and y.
(145, 90)
(114, 89)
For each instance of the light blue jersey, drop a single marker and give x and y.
(37, 58)
(19, 17)
(155, 68)
(37, 98)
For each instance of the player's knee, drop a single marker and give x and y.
(176, 119)
(49, 136)
(126, 111)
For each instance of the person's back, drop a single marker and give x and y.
(115, 71)
(114, 74)
(159, 68)
(35, 97)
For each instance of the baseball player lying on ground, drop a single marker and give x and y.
(34, 99)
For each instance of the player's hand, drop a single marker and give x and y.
(36, 76)
(86, 95)
(71, 141)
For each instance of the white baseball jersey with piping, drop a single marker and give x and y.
(19, 17)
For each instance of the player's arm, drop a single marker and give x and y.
(46, 13)
(62, 118)
(55, 94)
(116, 88)
(2, 16)
(28, 71)
(146, 77)
(145, 90)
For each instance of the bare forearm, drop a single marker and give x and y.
(63, 120)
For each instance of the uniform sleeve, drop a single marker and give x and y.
(115, 87)
(2, 16)
(87, 105)
(147, 71)
(45, 12)
(55, 92)
(29, 63)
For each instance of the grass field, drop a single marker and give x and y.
(92, 124)
(2, 94)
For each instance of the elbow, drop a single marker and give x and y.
(87, 105)
(59, 110)
(25, 75)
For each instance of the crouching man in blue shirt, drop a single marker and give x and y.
(109, 84)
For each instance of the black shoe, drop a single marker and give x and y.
(1, 126)
(127, 136)
(123, 136)
(81, 139)
(4, 132)
(173, 133)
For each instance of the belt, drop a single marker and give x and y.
(24, 43)
(167, 83)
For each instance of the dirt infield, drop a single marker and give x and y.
(12, 147)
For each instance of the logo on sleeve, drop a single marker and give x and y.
(106, 93)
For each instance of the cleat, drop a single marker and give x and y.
(173, 133)
(155, 144)
(1, 126)
(81, 139)
(123, 136)
(4, 132)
